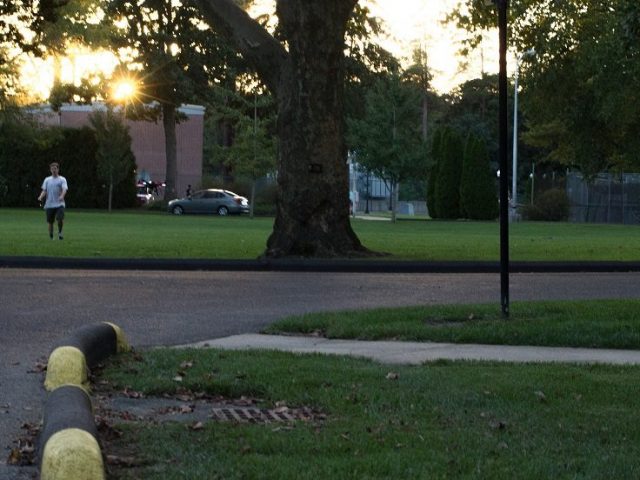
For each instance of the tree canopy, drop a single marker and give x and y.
(580, 90)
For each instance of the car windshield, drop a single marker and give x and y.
(228, 192)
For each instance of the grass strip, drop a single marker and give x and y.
(441, 420)
(593, 324)
(152, 234)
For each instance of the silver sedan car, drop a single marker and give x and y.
(211, 201)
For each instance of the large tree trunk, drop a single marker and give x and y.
(313, 202)
(171, 174)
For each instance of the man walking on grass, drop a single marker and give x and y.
(54, 188)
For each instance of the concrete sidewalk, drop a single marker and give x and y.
(419, 352)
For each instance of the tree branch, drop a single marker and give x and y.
(256, 45)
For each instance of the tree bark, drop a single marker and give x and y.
(312, 218)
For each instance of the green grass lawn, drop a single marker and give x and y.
(146, 234)
(441, 420)
(438, 420)
(596, 323)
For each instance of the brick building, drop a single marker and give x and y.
(147, 141)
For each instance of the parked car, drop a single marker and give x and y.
(212, 201)
(143, 195)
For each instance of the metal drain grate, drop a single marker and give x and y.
(257, 415)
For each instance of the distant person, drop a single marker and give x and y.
(189, 191)
(54, 189)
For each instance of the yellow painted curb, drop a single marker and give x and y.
(67, 366)
(72, 454)
(122, 344)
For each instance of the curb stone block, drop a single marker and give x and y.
(70, 362)
(68, 443)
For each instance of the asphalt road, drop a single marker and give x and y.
(39, 307)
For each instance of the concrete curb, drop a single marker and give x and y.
(312, 265)
(68, 446)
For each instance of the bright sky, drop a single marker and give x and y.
(414, 24)
(418, 23)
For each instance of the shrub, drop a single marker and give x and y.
(447, 188)
(478, 198)
(552, 206)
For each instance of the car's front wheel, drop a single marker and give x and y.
(177, 210)
(222, 211)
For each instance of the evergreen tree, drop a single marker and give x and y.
(436, 155)
(478, 198)
(447, 188)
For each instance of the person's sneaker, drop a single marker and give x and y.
(51, 236)
(60, 237)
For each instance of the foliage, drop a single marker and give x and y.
(436, 153)
(115, 160)
(478, 198)
(231, 117)
(366, 61)
(23, 161)
(551, 205)
(473, 107)
(579, 91)
(387, 140)
(449, 169)
(178, 57)
(25, 154)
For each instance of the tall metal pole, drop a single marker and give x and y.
(514, 167)
(504, 166)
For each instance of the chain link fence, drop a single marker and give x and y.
(609, 198)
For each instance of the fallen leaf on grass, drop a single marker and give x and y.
(132, 393)
(541, 396)
(498, 424)
(196, 426)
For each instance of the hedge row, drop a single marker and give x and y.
(26, 152)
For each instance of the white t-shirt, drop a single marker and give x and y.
(54, 186)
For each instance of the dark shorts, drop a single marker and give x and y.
(54, 214)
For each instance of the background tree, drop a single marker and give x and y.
(387, 140)
(178, 57)
(253, 153)
(366, 61)
(307, 78)
(478, 197)
(114, 160)
(578, 92)
(419, 75)
(432, 174)
(449, 168)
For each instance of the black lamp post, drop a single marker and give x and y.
(503, 6)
